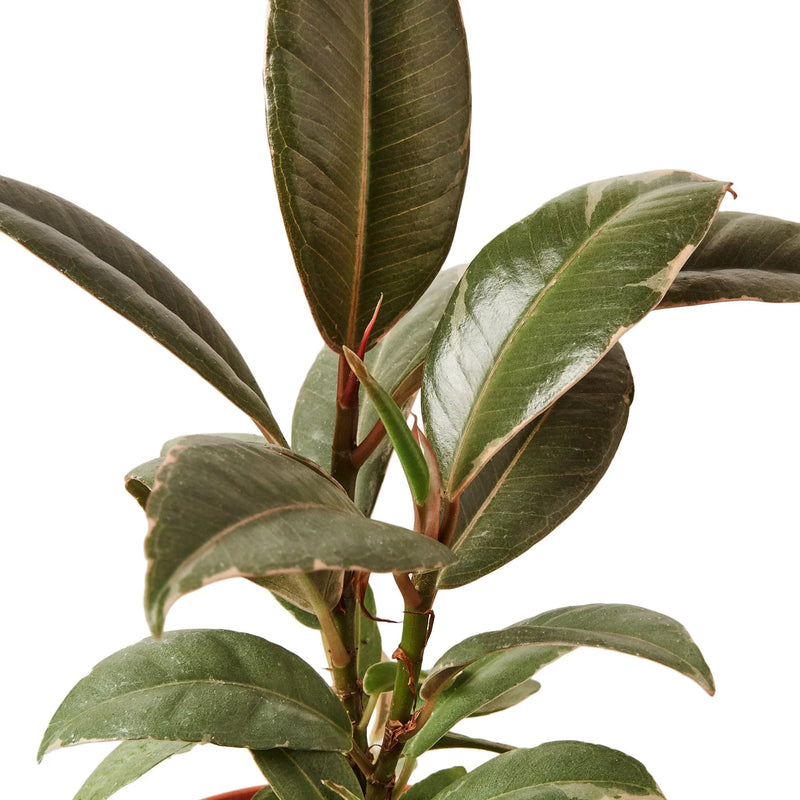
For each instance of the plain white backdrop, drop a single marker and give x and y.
(150, 115)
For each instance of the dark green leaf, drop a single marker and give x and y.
(228, 688)
(342, 791)
(368, 107)
(484, 667)
(125, 764)
(557, 771)
(298, 774)
(542, 475)
(139, 481)
(396, 362)
(136, 285)
(428, 787)
(546, 300)
(743, 257)
(223, 508)
(457, 740)
(265, 794)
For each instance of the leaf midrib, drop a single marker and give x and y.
(358, 260)
(262, 690)
(507, 343)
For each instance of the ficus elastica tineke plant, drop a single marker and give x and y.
(517, 362)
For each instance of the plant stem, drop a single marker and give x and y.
(416, 623)
(335, 651)
(346, 681)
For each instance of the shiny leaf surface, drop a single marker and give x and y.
(128, 279)
(298, 774)
(396, 362)
(546, 300)
(484, 667)
(222, 508)
(539, 478)
(223, 687)
(368, 118)
(125, 764)
(557, 771)
(743, 257)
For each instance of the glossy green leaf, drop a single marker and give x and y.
(396, 362)
(546, 300)
(223, 508)
(127, 278)
(223, 687)
(484, 667)
(368, 117)
(557, 771)
(125, 764)
(394, 420)
(511, 697)
(743, 257)
(457, 740)
(542, 475)
(299, 774)
(428, 787)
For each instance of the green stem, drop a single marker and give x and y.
(400, 725)
(335, 651)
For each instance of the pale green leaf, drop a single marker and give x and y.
(127, 762)
(215, 686)
(484, 667)
(546, 300)
(556, 771)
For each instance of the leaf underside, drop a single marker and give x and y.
(743, 257)
(368, 116)
(542, 475)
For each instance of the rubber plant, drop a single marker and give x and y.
(525, 392)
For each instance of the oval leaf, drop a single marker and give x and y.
(299, 774)
(222, 508)
(557, 771)
(127, 278)
(223, 687)
(125, 764)
(484, 667)
(546, 300)
(542, 475)
(396, 362)
(743, 257)
(368, 112)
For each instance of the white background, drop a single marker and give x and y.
(150, 114)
